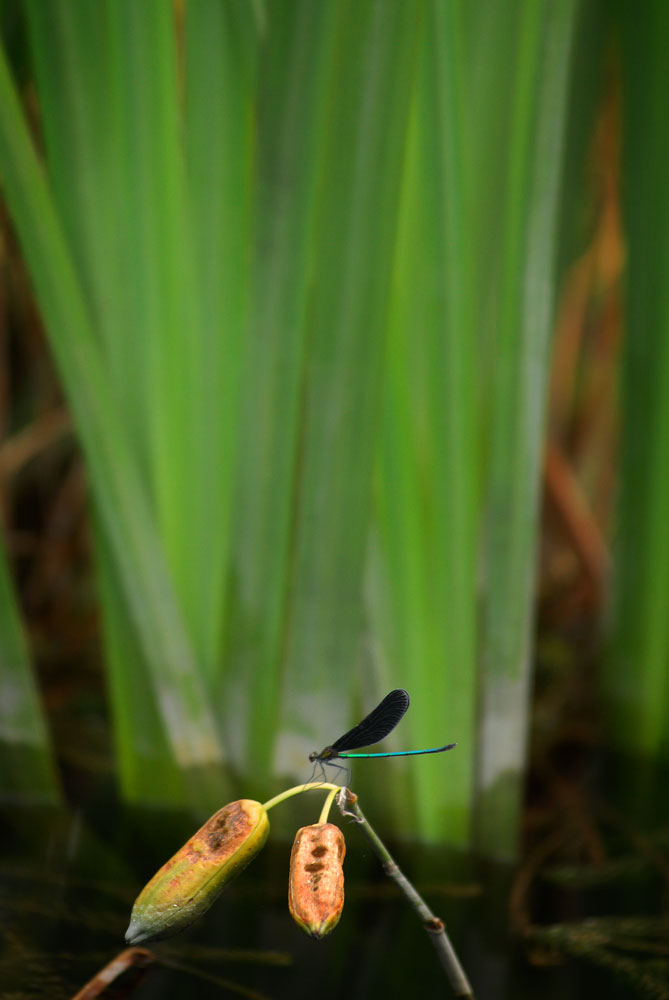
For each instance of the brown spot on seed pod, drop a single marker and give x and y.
(316, 888)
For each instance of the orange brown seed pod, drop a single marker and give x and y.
(316, 882)
(186, 886)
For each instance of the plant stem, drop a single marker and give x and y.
(432, 924)
(296, 789)
(327, 805)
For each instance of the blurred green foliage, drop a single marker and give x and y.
(298, 264)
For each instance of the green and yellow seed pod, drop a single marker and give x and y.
(186, 886)
(316, 882)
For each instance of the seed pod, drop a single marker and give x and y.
(186, 886)
(316, 882)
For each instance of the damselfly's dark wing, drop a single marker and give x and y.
(375, 726)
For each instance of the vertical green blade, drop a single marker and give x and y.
(148, 771)
(635, 685)
(427, 507)
(521, 332)
(295, 71)
(348, 311)
(219, 46)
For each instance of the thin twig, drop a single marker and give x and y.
(138, 957)
(141, 958)
(432, 924)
